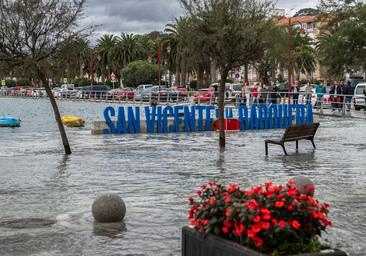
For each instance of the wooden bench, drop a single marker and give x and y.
(295, 133)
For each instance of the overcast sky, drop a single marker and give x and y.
(143, 16)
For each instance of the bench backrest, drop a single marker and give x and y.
(300, 132)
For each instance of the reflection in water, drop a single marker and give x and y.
(154, 174)
(109, 229)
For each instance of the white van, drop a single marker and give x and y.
(359, 98)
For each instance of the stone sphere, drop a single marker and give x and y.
(303, 183)
(108, 208)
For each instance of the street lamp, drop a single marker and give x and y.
(169, 50)
(159, 64)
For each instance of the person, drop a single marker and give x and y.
(273, 91)
(348, 93)
(295, 92)
(308, 93)
(336, 93)
(255, 93)
(246, 94)
(320, 91)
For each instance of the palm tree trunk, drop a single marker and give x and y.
(224, 74)
(200, 76)
(56, 111)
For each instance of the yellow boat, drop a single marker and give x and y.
(72, 121)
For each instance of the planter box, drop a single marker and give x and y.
(195, 244)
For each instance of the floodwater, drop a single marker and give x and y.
(154, 174)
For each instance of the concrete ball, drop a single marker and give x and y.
(108, 208)
(303, 183)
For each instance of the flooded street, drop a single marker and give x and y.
(154, 174)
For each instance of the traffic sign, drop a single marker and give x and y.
(237, 75)
(3, 82)
(113, 77)
(65, 80)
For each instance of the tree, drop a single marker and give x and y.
(342, 44)
(307, 12)
(31, 32)
(232, 32)
(139, 72)
(105, 47)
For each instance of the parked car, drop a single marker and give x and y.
(204, 95)
(161, 93)
(359, 96)
(142, 92)
(95, 91)
(235, 89)
(355, 80)
(68, 93)
(56, 92)
(121, 94)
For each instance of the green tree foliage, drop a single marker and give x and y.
(230, 32)
(81, 82)
(139, 72)
(31, 33)
(307, 12)
(342, 45)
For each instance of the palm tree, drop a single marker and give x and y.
(105, 47)
(126, 50)
(304, 54)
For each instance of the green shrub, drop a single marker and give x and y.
(10, 83)
(139, 72)
(24, 83)
(81, 82)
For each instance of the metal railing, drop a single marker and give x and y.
(334, 103)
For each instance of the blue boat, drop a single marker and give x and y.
(6, 121)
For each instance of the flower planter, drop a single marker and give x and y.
(195, 244)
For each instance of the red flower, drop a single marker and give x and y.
(296, 225)
(191, 200)
(290, 208)
(225, 230)
(232, 188)
(291, 182)
(258, 242)
(268, 185)
(265, 225)
(279, 204)
(256, 228)
(239, 229)
(212, 201)
(199, 192)
(227, 200)
(228, 212)
(204, 222)
(250, 234)
(256, 219)
(282, 224)
(303, 197)
(252, 204)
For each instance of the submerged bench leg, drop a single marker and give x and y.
(312, 141)
(266, 148)
(284, 149)
(297, 146)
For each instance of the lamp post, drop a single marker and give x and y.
(289, 49)
(169, 50)
(159, 64)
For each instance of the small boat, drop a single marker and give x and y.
(7, 121)
(73, 121)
